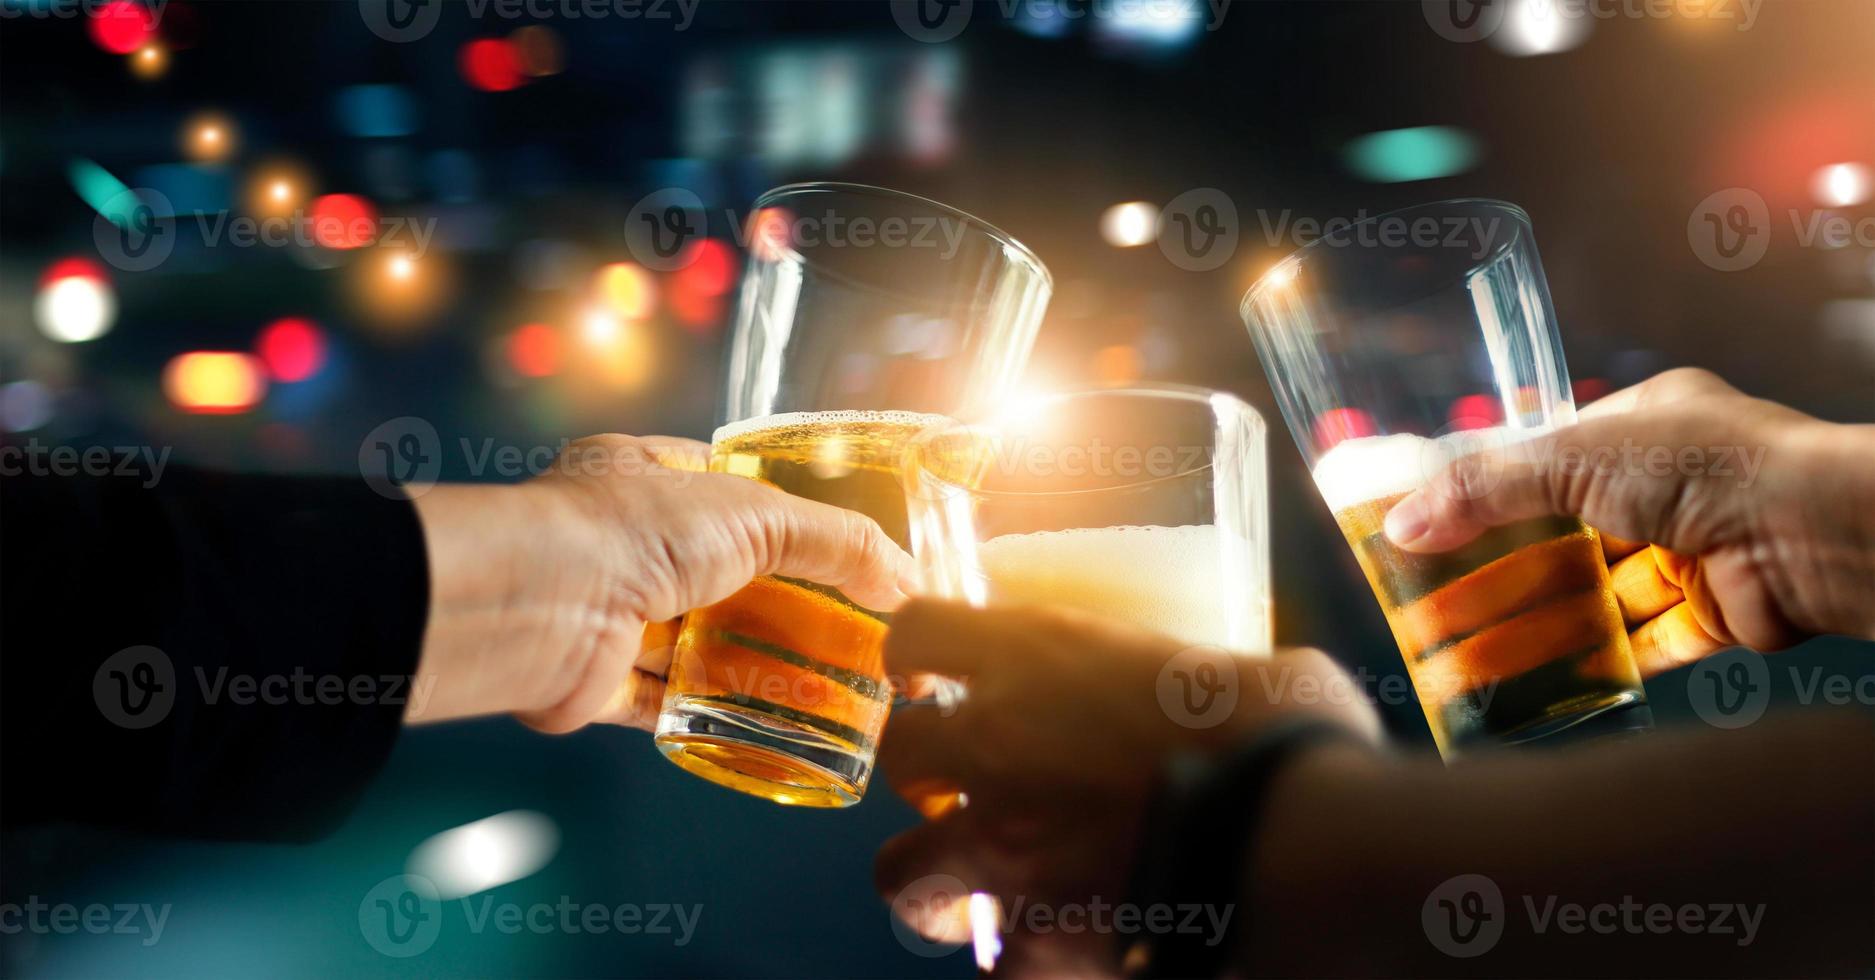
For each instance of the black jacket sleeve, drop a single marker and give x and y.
(209, 655)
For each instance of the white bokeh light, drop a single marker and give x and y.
(488, 852)
(1130, 224)
(1840, 185)
(1535, 27)
(75, 309)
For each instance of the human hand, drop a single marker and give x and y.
(1057, 748)
(1761, 519)
(540, 593)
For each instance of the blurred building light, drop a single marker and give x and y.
(208, 137)
(121, 26)
(102, 190)
(1418, 153)
(488, 852)
(491, 65)
(1535, 27)
(616, 351)
(149, 62)
(534, 350)
(1337, 424)
(214, 382)
(626, 290)
(184, 187)
(539, 49)
(1474, 412)
(24, 406)
(1130, 225)
(1840, 185)
(376, 111)
(276, 188)
(75, 308)
(344, 221)
(291, 348)
(1163, 25)
(710, 268)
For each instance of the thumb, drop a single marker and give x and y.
(832, 546)
(1600, 470)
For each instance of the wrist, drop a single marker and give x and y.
(1838, 498)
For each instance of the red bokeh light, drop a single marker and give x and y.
(534, 350)
(292, 349)
(121, 26)
(343, 221)
(769, 232)
(491, 65)
(710, 268)
(1589, 389)
(699, 312)
(1475, 412)
(73, 268)
(1336, 424)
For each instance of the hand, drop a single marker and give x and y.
(540, 594)
(1761, 518)
(1057, 748)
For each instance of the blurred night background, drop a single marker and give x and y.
(523, 134)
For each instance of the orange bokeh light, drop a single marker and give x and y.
(626, 289)
(214, 382)
(534, 350)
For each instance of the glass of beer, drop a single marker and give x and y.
(865, 316)
(1398, 347)
(1146, 504)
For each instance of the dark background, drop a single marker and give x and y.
(1611, 146)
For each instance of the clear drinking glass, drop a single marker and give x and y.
(866, 315)
(1147, 504)
(1397, 346)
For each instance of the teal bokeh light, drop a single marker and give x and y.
(1395, 156)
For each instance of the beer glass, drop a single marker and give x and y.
(1146, 504)
(1396, 347)
(865, 315)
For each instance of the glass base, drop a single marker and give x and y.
(756, 753)
(1590, 717)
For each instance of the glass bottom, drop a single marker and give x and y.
(1577, 720)
(757, 753)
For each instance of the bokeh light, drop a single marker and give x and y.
(615, 352)
(1417, 153)
(1840, 185)
(627, 290)
(534, 350)
(488, 852)
(1130, 225)
(1475, 412)
(276, 188)
(491, 65)
(209, 137)
(75, 308)
(291, 348)
(709, 269)
(74, 267)
(1535, 27)
(121, 26)
(1118, 364)
(214, 382)
(149, 62)
(24, 405)
(539, 50)
(1338, 424)
(342, 221)
(395, 287)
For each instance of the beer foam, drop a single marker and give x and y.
(1356, 471)
(1166, 579)
(788, 420)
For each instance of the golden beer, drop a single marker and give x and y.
(779, 690)
(1512, 636)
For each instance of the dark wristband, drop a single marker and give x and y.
(1197, 837)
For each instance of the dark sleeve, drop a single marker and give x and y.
(203, 654)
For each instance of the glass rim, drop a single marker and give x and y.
(1187, 394)
(1022, 254)
(1300, 254)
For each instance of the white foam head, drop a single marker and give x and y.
(1171, 580)
(763, 423)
